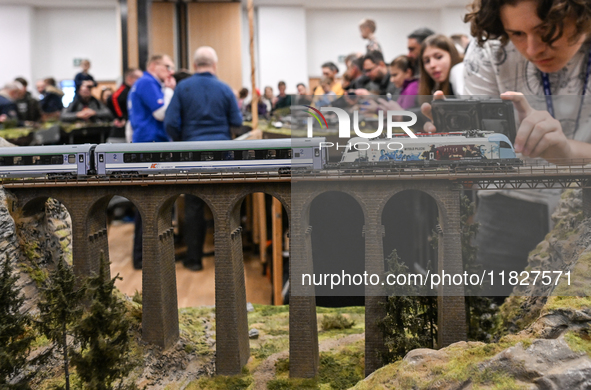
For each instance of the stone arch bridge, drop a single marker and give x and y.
(87, 202)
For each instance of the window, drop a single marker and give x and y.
(18, 160)
(71, 159)
(206, 156)
(186, 156)
(271, 154)
(248, 154)
(36, 160)
(505, 145)
(58, 159)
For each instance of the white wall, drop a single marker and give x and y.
(62, 34)
(452, 21)
(15, 35)
(282, 53)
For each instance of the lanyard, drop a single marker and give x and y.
(548, 92)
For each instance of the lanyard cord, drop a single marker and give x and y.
(548, 92)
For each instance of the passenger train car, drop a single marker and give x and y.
(46, 161)
(211, 156)
(456, 149)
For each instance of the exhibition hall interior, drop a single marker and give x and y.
(293, 194)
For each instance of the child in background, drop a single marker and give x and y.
(402, 75)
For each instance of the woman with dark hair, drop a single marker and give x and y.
(536, 53)
(437, 58)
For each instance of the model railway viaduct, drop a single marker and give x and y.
(87, 201)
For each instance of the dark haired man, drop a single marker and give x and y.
(330, 70)
(376, 70)
(27, 106)
(415, 39)
(550, 63)
(282, 100)
(85, 107)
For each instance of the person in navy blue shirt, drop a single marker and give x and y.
(203, 108)
(146, 106)
(84, 75)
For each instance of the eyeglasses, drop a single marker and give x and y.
(169, 68)
(369, 70)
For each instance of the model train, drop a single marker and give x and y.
(469, 148)
(269, 155)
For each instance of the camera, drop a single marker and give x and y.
(496, 115)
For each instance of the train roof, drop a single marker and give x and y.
(210, 145)
(49, 149)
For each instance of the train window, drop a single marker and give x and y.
(297, 155)
(57, 159)
(81, 158)
(206, 156)
(166, 157)
(186, 156)
(284, 153)
(71, 158)
(248, 155)
(228, 155)
(101, 157)
(505, 145)
(36, 160)
(271, 154)
(18, 160)
(238, 155)
(1, 160)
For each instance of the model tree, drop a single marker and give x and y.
(408, 323)
(60, 310)
(103, 333)
(15, 331)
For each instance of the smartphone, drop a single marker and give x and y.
(496, 115)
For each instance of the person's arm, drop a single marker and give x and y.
(102, 113)
(172, 119)
(69, 114)
(540, 135)
(234, 114)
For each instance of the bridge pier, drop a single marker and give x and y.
(160, 320)
(232, 344)
(451, 308)
(304, 357)
(375, 296)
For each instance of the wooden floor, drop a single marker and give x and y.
(193, 288)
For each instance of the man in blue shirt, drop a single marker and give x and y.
(146, 106)
(203, 108)
(146, 103)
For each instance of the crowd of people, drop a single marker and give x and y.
(519, 47)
